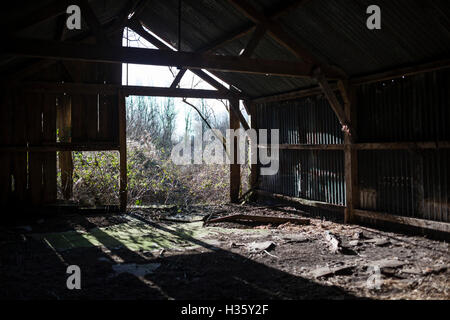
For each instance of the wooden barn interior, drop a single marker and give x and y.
(363, 118)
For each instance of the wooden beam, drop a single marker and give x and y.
(123, 186)
(256, 37)
(306, 146)
(235, 168)
(111, 89)
(62, 147)
(110, 54)
(403, 145)
(303, 202)
(414, 222)
(240, 32)
(293, 95)
(399, 72)
(42, 64)
(136, 26)
(234, 108)
(334, 102)
(283, 37)
(178, 78)
(64, 124)
(432, 145)
(377, 77)
(254, 169)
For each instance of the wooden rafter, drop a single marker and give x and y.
(256, 37)
(356, 81)
(240, 32)
(334, 102)
(282, 37)
(137, 27)
(178, 77)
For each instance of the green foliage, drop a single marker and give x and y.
(152, 179)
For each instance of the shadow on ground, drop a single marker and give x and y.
(33, 269)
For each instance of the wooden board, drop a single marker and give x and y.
(5, 157)
(49, 158)
(108, 119)
(235, 168)
(19, 159)
(33, 105)
(263, 219)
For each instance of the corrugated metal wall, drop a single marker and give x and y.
(412, 183)
(307, 174)
(407, 183)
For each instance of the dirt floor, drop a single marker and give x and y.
(169, 253)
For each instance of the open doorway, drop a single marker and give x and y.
(156, 124)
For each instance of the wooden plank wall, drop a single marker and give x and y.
(31, 119)
(27, 177)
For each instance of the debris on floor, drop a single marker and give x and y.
(261, 246)
(188, 260)
(328, 271)
(262, 219)
(333, 242)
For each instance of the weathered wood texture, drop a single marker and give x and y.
(30, 120)
(350, 153)
(123, 186)
(115, 54)
(27, 178)
(420, 223)
(304, 202)
(235, 168)
(63, 123)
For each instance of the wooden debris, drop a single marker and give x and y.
(379, 241)
(388, 263)
(335, 243)
(415, 271)
(261, 246)
(295, 238)
(263, 219)
(435, 270)
(327, 271)
(353, 243)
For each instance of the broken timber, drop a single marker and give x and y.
(264, 219)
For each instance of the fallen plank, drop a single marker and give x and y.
(327, 271)
(388, 263)
(264, 219)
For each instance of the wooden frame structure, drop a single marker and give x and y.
(333, 83)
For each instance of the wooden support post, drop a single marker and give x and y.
(254, 173)
(350, 153)
(64, 125)
(123, 153)
(235, 168)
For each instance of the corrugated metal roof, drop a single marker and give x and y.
(334, 31)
